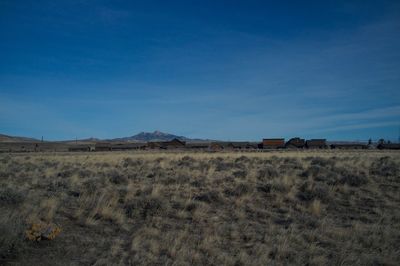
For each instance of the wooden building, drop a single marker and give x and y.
(128, 146)
(316, 144)
(175, 144)
(273, 143)
(197, 145)
(389, 146)
(77, 148)
(348, 146)
(242, 145)
(155, 145)
(295, 143)
(172, 144)
(102, 146)
(216, 146)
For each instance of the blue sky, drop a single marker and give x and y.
(233, 70)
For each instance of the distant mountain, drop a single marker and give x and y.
(141, 137)
(151, 136)
(156, 136)
(7, 138)
(81, 141)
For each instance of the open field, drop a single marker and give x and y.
(291, 207)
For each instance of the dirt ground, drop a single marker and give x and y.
(277, 208)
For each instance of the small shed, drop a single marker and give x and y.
(348, 146)
(155, 145)
(216, 146)
(197, 145)
(127, 146)
(102, 146)
(174, 144)
(295, 143)
(389, 146)
(241, 145)
(77, 148)
(316, 144)
(276, 143)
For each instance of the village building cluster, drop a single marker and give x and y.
(266, 144)
(177, 144)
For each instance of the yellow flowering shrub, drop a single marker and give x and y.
(42, 231)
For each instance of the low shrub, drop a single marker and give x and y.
(238, 191)
(208, 197)
(42, 231)
(267, 172)
(116, 178)
(143, 207)
(239, 174)
(323, 162)
(384, 167)
(309, 192)
(354, 180)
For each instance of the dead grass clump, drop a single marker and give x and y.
(143, 207)
(90, 185)
(264, 188)
(291, 164)
(316, 208)
(46, 164)
(58, 186)
(354, 179)
(210, 197)
(65, 173)
(310, 191)
(384, 167)
(238, 191)
(85, 173)
(313, 171)
(10, 196)
(5, 159)
(11, 237)
(129, 162)
(322, 162)
(267, 172)
(186, 161)
(224, 166)
(240, 173)
(117, 178)
(242, 159)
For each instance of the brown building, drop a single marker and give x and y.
(241, 145)
(175, 144)
(389, 146)
(79, 148)
(128, 146)
(295, 143)
(348, 146)
(197, 145)
(316, 144)
(155, 145)
(172, 144)
(102, 146)
(216, 146)
(273, 143)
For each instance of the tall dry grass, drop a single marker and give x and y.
(292, 207)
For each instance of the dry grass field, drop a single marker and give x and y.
(276, 208)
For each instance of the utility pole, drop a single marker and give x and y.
(42, 138)
(398, 140)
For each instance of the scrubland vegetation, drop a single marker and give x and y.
(277, 208)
